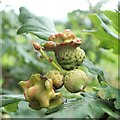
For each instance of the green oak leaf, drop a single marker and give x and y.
(10, 99)
(104, 34)
(94, 70)
(11, 107)
(113, 16)
(42, 27)
(108, 92)
(91, 106)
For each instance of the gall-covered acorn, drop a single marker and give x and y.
(75, 80)
(39, 92)
(56, 77)
(65, 46)
(69, 57)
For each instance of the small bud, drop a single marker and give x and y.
(69, 35)
(75, 43)
(60, 34)
(72, 36)
(56, 35)
(49, 45)
(53, 37)
(22, 84)
(36, 46)
(66, 31)
(64, 37)
(78, 40)
(50, 38)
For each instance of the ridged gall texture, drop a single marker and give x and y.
(56, 77)
(39, 92)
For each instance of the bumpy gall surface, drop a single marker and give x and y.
(56, 77)
(65, 45)
(69, 57)
(75, 80)
(39, 92)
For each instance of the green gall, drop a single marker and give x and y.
(39, 92)
(69, 57)
(75, 80)
(56, 77)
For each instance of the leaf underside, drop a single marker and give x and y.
(108, 39)
(42, 27)
(94, 70)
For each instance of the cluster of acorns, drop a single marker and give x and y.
(40, 90)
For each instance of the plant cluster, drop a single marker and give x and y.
(40, 90)
(64, 87)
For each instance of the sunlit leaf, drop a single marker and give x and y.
(107, 39)
(113, 16)
(42, 27)
(11, 107)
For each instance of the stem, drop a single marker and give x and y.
(39, 48)
(49, 60)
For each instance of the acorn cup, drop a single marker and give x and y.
(75, 80)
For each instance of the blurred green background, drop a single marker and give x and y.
(19, 60)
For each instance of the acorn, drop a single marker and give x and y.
(56, 77)
(75, 80)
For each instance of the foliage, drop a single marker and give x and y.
(112, 17)
(89, 107)
(109, 92)
(40, 26)
(11, 101)
(101, 103)
(107, 36)
(94, 70)
(17, 57)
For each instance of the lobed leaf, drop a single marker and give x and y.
(89, 107)
(42, 27)
(114, 17)
(108, 39)
(94, 70)
(108, 92)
